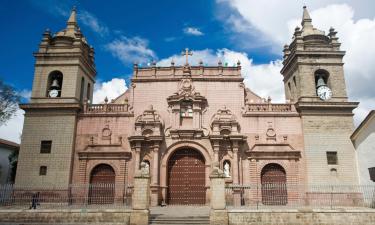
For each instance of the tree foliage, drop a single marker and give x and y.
(13, 160)
(8, 102)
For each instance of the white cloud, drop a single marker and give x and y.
(91, 21)
(110, 89)
(193, 31)
(12, 129)
(356, 34)
(130, 50)
(263, 79)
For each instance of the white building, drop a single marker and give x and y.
(363, 140)
(6, 148)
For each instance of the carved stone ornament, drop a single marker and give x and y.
(149, 123)
(106, 132)
(271, 133)
(186, 87)
(224, 122)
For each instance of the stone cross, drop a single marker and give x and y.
(187, 53)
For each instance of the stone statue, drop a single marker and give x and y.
(145, 168)
(227, 169)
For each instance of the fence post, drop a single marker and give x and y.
(218, 214)
(141, 197)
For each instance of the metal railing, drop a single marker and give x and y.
(277, 196)
(74, 196)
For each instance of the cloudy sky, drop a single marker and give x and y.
(251, 31)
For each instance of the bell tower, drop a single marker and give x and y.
(63, 79)
(314, 80)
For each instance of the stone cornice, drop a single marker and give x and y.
(178, 78)
(292, 57)
(326, 108)
(36, 106)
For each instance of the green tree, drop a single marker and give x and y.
(13, 160)
(8, 102)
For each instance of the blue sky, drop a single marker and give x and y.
(251, 31)
(161, 23)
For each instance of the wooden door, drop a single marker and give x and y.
(102, 185)
(274, 190)
(186, 178)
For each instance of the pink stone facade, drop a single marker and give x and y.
(228, 123)
(182, 109)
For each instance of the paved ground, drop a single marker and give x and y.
(180, 211)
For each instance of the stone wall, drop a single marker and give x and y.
(301, 217)
(76, 216)
(52, 126)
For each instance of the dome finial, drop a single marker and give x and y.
(306, 18)
(72, 21)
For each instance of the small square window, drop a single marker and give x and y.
(43, 171)
(186, 109)
(372, 173)
(45, 147)
(332, 158)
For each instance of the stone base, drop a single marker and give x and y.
(65, 216)
(219, 217)
(139, 217)
(301, 217)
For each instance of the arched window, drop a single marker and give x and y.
(54, 85)
(88, 92)
(82, 89)
(274, 189)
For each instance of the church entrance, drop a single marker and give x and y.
(186, 178)
(102, 185)
(274, 190)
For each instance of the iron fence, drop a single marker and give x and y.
(278, 196)
(80, 196)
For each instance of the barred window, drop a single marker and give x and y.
(42, 171)
(45, 147)
(332, 158)
(186, 109)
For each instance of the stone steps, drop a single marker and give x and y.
(168, 220)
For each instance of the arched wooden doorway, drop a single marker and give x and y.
(274, 190)
(102, 185)
(186, 178)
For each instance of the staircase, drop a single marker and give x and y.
(169, 220)
(174, 215)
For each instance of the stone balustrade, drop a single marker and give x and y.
(250, 108)
(106, 108)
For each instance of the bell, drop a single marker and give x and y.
(320, 82)
(55, 84)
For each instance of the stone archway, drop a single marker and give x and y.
(186, 177)
(102, 185)
(274, 188)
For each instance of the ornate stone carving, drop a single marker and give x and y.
(224, 123)
(271, 133)
(106, 133)
(149, 123)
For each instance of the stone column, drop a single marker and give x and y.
(140, 198)
(218, 213)
(235, 162)
(155, 175)
(216, 148)
(137, 150)
(236, 191)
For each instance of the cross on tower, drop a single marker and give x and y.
(187, 53)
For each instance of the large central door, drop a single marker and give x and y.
(186, 178)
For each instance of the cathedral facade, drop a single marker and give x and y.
(181, 121)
